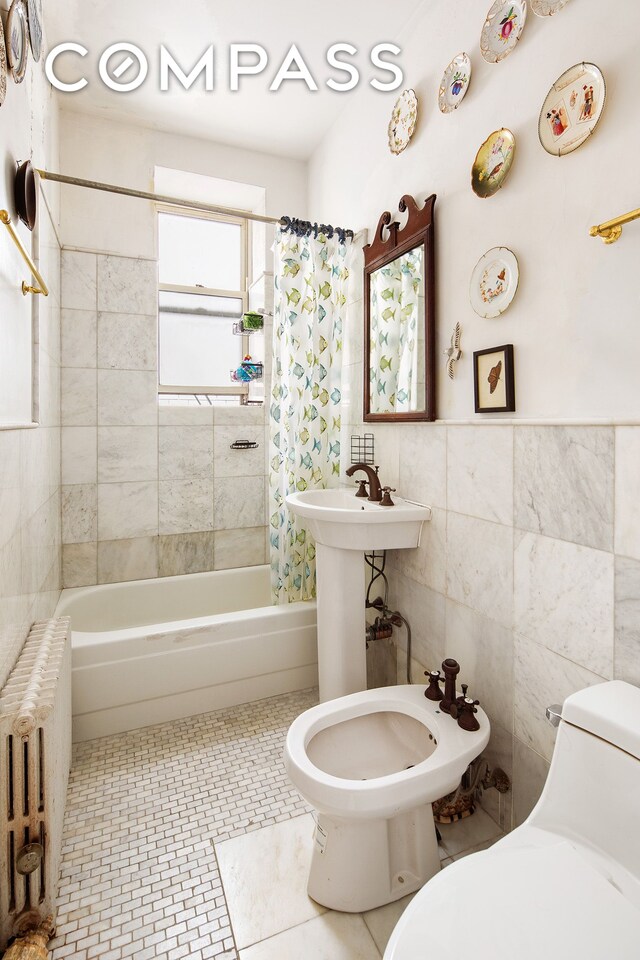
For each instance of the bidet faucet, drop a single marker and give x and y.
(375, 490)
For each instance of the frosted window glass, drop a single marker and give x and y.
(197, 344)
(196, 252)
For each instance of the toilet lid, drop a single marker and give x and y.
(524, 903)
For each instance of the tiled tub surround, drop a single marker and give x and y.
(147, 491)
(188, 840)
(528, 574)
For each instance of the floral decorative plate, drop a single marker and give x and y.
(493, 162)
(3, 66)
(34, 8)
(17, 42)
(572, 109)
(494, 282)
(502, 29)
(454, 83)
(546, 8)
(403, 121)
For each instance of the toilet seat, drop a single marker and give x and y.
(519, 900)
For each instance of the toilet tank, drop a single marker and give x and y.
(592, 792)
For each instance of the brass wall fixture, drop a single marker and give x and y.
(610, 231)
(26, 288)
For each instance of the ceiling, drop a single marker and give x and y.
(290, 122)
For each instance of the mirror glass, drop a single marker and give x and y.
(397, 335)
(399, 316)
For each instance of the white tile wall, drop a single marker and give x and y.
(30, 525)
(538, 601)
(136, 472)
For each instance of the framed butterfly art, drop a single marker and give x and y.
(493, 380)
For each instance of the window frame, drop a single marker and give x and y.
(241, 389)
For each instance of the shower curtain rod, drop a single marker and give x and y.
(157, 197)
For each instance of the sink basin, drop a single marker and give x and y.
(337, 518)
(344, 527)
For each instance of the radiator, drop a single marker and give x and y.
(35, 756)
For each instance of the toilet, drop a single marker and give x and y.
(371, 764)
(567, 882)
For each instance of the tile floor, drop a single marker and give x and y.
(187, 840)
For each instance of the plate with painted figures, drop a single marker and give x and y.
(572, 109)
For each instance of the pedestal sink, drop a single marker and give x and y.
(345, 527)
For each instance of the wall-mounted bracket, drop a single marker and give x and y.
(611, 231)
(26, 288)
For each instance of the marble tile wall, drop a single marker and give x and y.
(528, 573)
(147, 490)
(30, 531)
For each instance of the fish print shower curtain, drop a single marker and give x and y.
(311, 282)
(395, 299)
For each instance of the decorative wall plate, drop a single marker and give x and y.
(492, 163)
(3, 65)
(403, 121)
(546, 8)
(17, 42)
(34, 9)
(502, 29)
(572, 109)
(494, 282)
(454, 83)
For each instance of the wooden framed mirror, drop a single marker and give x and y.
(400, 323)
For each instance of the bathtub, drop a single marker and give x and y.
(154, 650)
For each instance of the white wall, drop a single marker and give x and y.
(29, 458)
(574, 322)
(99, 149)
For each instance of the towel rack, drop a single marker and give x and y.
(26, 288)
(612, 229)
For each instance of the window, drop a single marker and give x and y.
(202, 263)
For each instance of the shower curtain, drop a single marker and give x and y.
(395, 298)
(311, 292)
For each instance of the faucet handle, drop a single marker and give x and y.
(362, 488)
(466, 715)
(386, 497)
(433, 691)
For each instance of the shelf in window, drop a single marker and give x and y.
(240, 330)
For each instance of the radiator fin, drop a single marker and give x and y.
(35, 739)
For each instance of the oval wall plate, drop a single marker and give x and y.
(403, 121)
(502, 29)
(454, 83)
(494, 282)
(3, 65)
(17, 40)
(546, 8)
(493, 163)
(34, 10)
(572, 109)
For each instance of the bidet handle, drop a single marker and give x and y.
(554, 714)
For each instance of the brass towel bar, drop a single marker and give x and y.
(612, 229)
(26, 288)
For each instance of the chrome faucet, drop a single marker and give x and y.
(375, 491)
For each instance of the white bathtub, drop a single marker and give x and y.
(155, 650)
